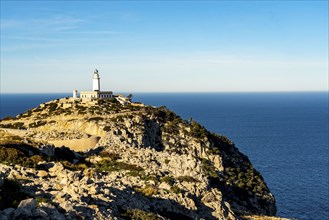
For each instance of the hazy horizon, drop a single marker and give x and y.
(54, 47)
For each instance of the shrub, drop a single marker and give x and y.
(16, 125)
(168, 179)
(107, 128)
(10, 194)
(52, 107)
(41, 200)
(70, 166)
(32, 161)
(6, 118)
(148, 190)
(187, 179)
(111, 155)
(113, 100)
(95, 119)
(9, 155)
(197, 130)
(248, 179)
(37, 124)
(152, 177)
(208, 168)
(176, 189)
(137, 214)
(214, 150)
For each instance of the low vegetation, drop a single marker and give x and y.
(187, 179)
(10, 194)
(148, 190)
(7, 118)
(16, 125)
(248, 179)
(10, 155)
(168, 179)
(209, 168)
(37, 124)
(138, 214)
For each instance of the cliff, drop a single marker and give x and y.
(123, 162)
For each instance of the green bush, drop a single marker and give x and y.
(209, 168)
(168, 179)
(71, 166)
(176, 189)
(152, 177)
(148, 190)
(187, 179)
(137, 214)
(37, 124)
(248, 179)
(197, 130)
(16, 125)
(111, 155)
(41, 200)
(32, 161)
(52, 107)
(9, 155)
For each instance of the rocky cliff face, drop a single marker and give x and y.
(147, 164)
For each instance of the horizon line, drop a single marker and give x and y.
(163, 92)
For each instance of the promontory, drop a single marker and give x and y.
(100, 159)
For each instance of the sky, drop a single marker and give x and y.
(164, 46)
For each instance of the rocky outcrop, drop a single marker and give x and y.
(147, 162)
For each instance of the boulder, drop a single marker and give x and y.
(7, 213)
(24, 209)
(56, 169)
(52, 212)
(41, 214)
(42, 173)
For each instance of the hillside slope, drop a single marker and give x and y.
(142, 162)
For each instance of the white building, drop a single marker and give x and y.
(96, 93)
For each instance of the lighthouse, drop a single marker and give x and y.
(96, 81)
(96, 93)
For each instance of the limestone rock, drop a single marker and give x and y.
(42, 173)
(145, 159)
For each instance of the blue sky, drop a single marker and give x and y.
(164, 46)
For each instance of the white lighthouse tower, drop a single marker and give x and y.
(96, 93)
(96, 81)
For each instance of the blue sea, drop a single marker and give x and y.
(285, 135)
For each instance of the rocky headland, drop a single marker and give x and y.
(78, 159)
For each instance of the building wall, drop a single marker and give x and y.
(96, 95)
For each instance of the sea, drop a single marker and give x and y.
(285, 135)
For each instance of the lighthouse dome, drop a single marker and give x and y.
(96, 75)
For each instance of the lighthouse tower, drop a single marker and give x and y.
(96, 81)
(96, 93)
